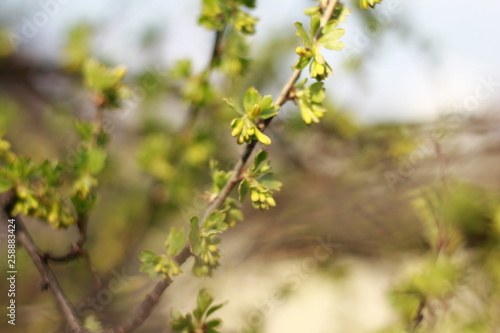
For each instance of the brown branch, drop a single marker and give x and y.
(49, 279)
(150, 301)
(7, 201)
(77, 249)
(147, 305)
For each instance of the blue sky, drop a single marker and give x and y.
(401, 81)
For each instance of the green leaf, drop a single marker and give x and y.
(268, 113)
(260, 157)
(243, 189)
(301, 32)
(233, 106)
(182, 69)
(315, 23)
(212, 324)
(266, 103)
(214, 308)
(330, 37)
(149, 260)
(317, 92)
(312, 11)
(244, 22)
(85, 130)
(310, 99)
(365, 3)
(248, 3)
(182, 323)
(216, 221)
(302, 63)
(83, 205)
(96, 160)
(203, 301)
(99, 77)
(147, 255)
(175, 241)
(270, 182)
(92, 324)
(251, 98)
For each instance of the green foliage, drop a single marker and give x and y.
(310, 100)
(165, 264)
(204, 242)
(260, 182)
(365, 3)
(175, 241)
(436, 280)
(467, 212)
(92, 324)
(200, 320)
(215, 14)
(105, 82)
(154, 264)
(198, 90)
(245, 129)
(35, 185)
(311, 52)
(153, 156)
(230, 207)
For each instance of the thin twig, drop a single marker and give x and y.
(145, 308)
(419, 315)
(77, 249)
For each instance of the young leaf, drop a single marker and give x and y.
(330, 37)
(258, 159)
(216, 221)
(204, 300)
(99, 77)
(301, 32)
(270, 182)
(243, 189)
(251, 98)
(96, 160)
(175, 241)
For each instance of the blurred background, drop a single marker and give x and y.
(412, 109)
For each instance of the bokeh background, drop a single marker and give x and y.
(414, 96)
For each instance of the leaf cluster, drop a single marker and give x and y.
(255, 107)
(199, 320)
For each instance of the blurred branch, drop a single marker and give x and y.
(76, 250)
(419, 316)
(194, 110)
(152, 299)
(49, 280)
